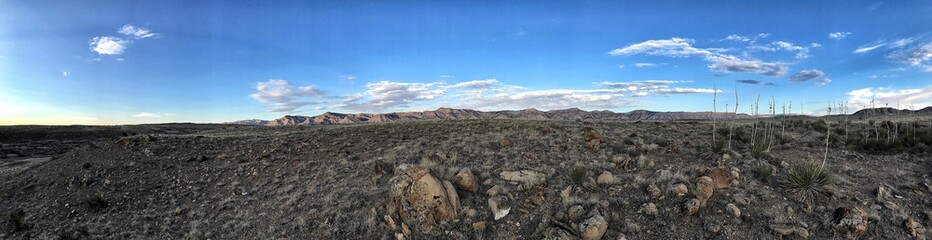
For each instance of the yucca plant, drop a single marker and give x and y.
(808, 181)
(763, 171)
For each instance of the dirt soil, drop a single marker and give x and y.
(332, 182)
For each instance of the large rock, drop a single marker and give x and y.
(526, 177)
(466, 180)
(722, 177)
(594, 227)
(704, 188)
(850, 223)
(420, 199)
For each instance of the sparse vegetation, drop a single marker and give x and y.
(579, 175)
(763, 171)
(808, 180)
(13, 221)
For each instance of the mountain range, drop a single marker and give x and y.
(329, 118)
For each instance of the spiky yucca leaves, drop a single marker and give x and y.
(809, 181)
(714, 151)
(763, 171)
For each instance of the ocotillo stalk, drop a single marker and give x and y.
(731, 128)
(714, 109)
(828, 134)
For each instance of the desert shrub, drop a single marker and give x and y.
(759, 149)
(95, 203)
(13, 222)
(818, 126)
(763, 171)
(808, 180)
(579, 175)
(713, 150)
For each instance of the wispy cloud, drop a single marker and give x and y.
(348, 77)
(642, 65)
(108, 45)
(838, 35)
(806, 75)
(755, 82)
(153, 115)
(919, 57)
(681, 47)
(475, 84)
(65, 73)
(137, 32)
(870, 47)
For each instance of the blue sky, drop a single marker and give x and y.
(113, 62)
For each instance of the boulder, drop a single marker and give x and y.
(420, 199)
(605, 178)
(526, 177)
(722, 177)
(704, 188)
(850, 223)
(465, 180)
(594, 227)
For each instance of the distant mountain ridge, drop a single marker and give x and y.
(330, 118)
(888, 111)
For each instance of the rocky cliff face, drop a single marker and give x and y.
(329, 118)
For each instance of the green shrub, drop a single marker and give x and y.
(579, 175)
(808, 180)
(763, 171)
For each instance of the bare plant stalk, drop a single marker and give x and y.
(828, 133)
(714, 109)
(731, 128)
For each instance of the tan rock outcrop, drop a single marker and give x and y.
(420, 199)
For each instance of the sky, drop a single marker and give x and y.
(118, 62)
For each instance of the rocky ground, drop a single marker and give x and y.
(525, 180)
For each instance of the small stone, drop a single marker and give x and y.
(850, 222)
(649, 209)
(479, 226)
(704, 188)
(399, 236)
(692, 206)
(621, 236)
(654, 190)
(465, 180)
(891, 205)
(495, 190)
(594, 227)
(783, 231)
(802, 232)
(605, 178)
(499, 206)
(680, 189)
(733, 210)
(390, 222)
(741, 199)
(471, 212)
(715, 229)
(915, 228)
(574, 213)
(882, 194)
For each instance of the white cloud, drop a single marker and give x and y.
(838, 35)
(348, 77)
(641, 65)
(386, 94)
(728, 63)
(65, 73)
(882, 96)
(801, 52)
(735, 37)
(281, 96)
(902, 42)
(681, 47)
(674, 47)
(475, 84)
(869, 47)
(136, 32)
(621, 66)
(153, 115)
(552, 99)
(806, 75)
(824, 81)
(918, 57)
(108, 45)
